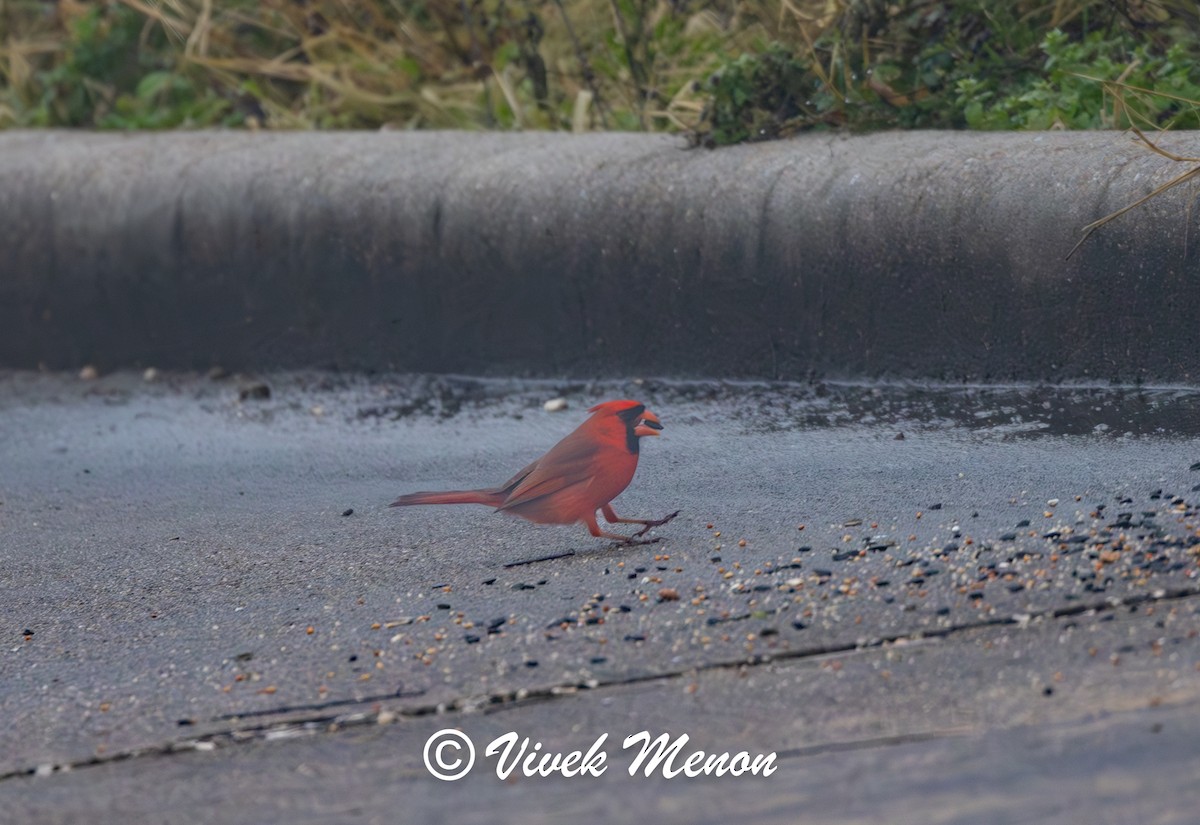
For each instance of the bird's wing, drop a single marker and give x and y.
(507, 487)
(572, 461)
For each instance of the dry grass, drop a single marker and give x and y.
(1187, 175)
(544, 64)
(557, 64)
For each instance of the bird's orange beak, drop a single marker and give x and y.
(648, 424)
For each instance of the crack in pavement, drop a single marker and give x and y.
(333, 703)
(315, 723)
(877, 742)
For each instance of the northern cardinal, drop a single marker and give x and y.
(581, 474)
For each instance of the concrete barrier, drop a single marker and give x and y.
(911, 255)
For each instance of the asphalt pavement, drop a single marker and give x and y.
(931, 603)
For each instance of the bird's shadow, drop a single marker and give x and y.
(633, 541)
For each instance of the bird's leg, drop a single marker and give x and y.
(594, 529)
(610, 515)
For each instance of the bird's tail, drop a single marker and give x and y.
(492, 498)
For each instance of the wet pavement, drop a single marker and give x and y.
(944, 603)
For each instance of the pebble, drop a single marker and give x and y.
(257, 391)
(88, 373)
(555, 405)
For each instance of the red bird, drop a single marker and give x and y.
(581, 474)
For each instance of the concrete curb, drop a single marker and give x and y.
(920, 255)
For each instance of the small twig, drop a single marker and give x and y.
(635, 68)
(510, 96)
(1171, 184)
(540, 559)
(1161, 151)
(197, 41)
(475, 64)
(589, 76)
(1131, 87)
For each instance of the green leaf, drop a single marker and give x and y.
(153, 84)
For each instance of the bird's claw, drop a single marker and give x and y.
(655, 523)
(634, 541)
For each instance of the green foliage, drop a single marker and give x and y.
(966, 64)
(117, 72)
(1075, 89)
(724, 71)
(757, 97)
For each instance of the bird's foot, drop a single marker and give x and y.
(634, 541)
(655, 523)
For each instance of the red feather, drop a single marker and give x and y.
(581, 474)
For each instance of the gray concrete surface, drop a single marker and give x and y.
(930, 255)
(939, 643)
